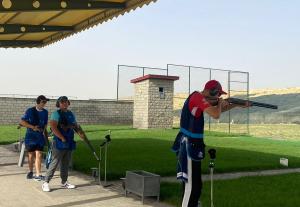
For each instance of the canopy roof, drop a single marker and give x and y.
(37, 23)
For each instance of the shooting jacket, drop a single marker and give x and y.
(65, 122)
(189, 141)
(35, 118)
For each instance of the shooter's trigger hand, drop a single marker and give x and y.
(36, 128)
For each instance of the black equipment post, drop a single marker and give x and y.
(212, 155)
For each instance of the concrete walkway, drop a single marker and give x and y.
(228, 176)
(17, 191)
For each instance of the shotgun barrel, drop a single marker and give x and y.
(79, 130)
(252, 103)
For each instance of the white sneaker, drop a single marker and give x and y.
(68, 185)
(45, 187)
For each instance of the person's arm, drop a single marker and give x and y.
(79, 131)
(24, 121)
(215, 111)
(56, 132)
(228, 106)
(76, 127)
(27, 125)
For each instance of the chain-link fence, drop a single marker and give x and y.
(126, 73)
(192, 78)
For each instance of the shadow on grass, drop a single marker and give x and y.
(155, 155)
(267, 191)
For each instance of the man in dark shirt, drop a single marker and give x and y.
(189, 144)
(35, 120)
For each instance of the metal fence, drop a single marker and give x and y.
(192, 78)
(236, 83)
(125, 73)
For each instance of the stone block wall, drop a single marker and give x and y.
(152, 108)
(160, 114)
(86, 111)
(141, 102)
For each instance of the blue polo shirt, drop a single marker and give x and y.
(35, 117)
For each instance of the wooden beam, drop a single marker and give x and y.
(20, 43)
(25, 28)
(56, 5)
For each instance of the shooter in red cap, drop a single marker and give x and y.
(189, 143)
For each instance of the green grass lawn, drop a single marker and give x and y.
(269, 191)
(149, 150)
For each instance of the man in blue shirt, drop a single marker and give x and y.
(62, 123)
(35, 120)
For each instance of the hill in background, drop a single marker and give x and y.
(287, 99)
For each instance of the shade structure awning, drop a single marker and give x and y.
(37, 23)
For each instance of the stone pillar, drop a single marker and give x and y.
(153, 101)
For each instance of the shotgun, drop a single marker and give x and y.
(77, 128)
(252, 103)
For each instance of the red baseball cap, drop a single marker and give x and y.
(214, 85)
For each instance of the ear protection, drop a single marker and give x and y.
(216, 90)
(59, 100)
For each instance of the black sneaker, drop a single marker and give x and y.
(29, 175)
(39, 178)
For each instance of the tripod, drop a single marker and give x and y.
(212, 155)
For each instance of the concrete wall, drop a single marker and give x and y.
(86, 111)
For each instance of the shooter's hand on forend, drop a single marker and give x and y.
(77, 128)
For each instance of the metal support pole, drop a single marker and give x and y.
(99, 167)
(143, 71)
(212, 155)
(211, 187)
(248, 109)
(209, 118)
(167, 69)
(105, 162)
(189, 80)
(118, 76)
(229, 114)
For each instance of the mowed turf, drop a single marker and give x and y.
(266, 191)
(150, 150)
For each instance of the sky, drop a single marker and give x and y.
(256, 36)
